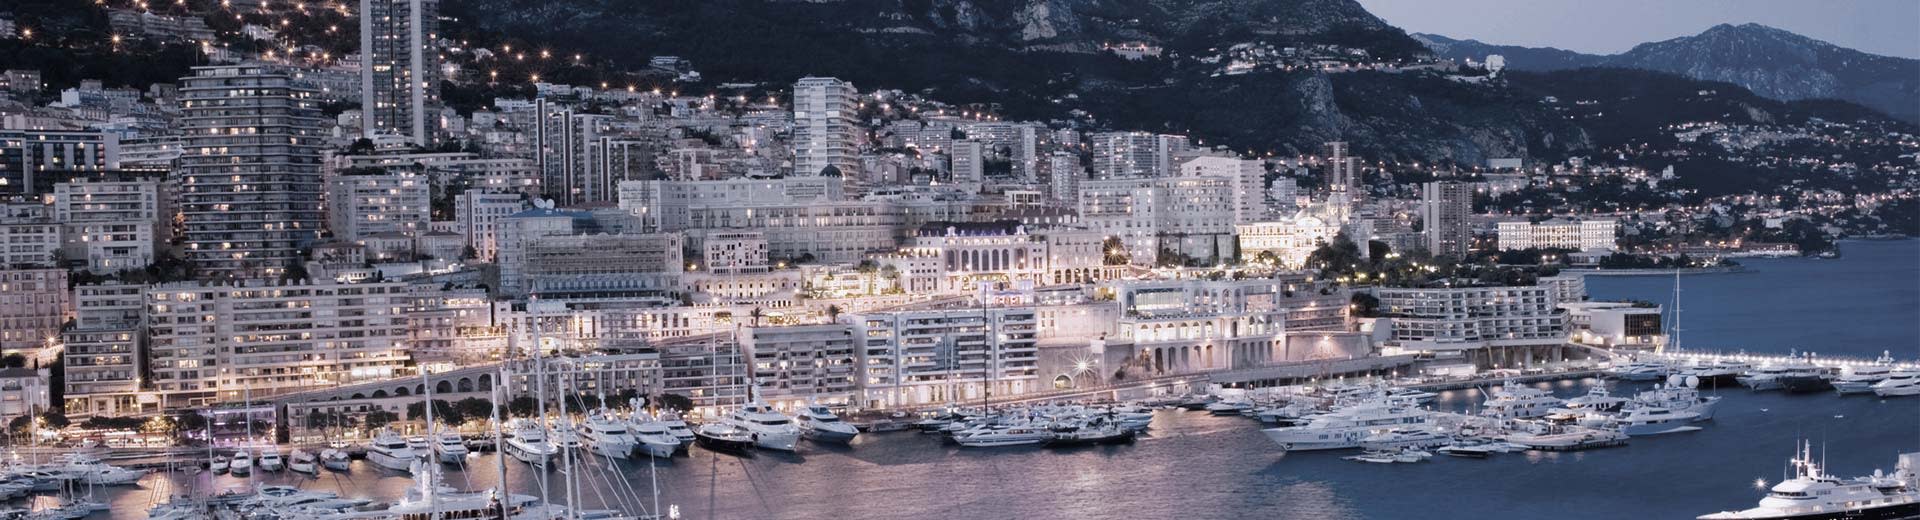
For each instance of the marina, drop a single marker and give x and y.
(1216, 464)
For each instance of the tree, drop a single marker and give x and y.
(523, 406)
(1335, 259)
(14, 360)
(442, 412)
(20, 425)
(380, 418)
(473, 408)
(673, 402)
(1365, 305)
(55, 420)
(190, 421)
(833, 313)
(756, 314)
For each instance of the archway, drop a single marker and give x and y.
(466, 385)
(1062, 382)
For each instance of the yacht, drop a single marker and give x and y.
(1003, 436)
(1597, 399)
(242, 463)
(1399, 438)
(1097, 430)
(769, 428)
(450, 447)
(1233, 406)
(1820, 379)
(88, 470)
(391, 451)
(1860, 379)
(819, 424)
(607, 436)
(723, 436)
(529, 444)
(1641, 371)
(1344, 427)
(1640, 420)
(1813, 494)
(1412, 395)
(1898, 384)
(421, 447)
(678, 427)
(303, 461)
(335, 459)
(271, 460)
(655, 436)
(1519, 402)
(1718, 373)
(1679, 398)
(1773, 377)
(220, 464)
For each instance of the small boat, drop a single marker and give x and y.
(724, 437)
(420, 445)
(656, 438)
(1469, 451)
(303, 461)
(1412, 455)
(1002, 436)
(335, 459)
(272, 461)
(220, 464)
(1375, 457)
(242, 463)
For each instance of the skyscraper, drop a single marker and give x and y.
(1444, 208)
(823, 117)
(250, 178)
(400, 77)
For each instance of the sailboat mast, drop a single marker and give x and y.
(499, 451)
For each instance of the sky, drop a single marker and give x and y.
(1886, 27)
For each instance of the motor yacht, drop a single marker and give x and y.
(723, 436)
(270, 460)
(819, 424)
(655, 438)
(678, 427)
(1597, 399)
(303, 461)
(1399, 438)
(529, 444)
(1514, 401)
(1860, 379)
(242, 463)
(769, 428)
(1774, 377)
(1900, 383)
(1344, 427)
(1679, 398)
(420, 445)
(451, 448)
(390, 451)
(88, 470)
(606, 435)
(1718, 373)
(1640, 420)
(1000, 436)
(1641, 371)
(1232, 406)
(1813, 494)
(220, 464)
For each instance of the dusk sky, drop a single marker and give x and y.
(1878, 26)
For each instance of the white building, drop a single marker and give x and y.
(1492, 325)
(1617, 325)
(104, 351)
(1561, 233)
(798, 363)
(969, 168)
(24, 392)
(939, 356)
(477, 214)
(1291, 240)
(250, 179)
(113, 224)
(363, 203)
(1134, 155)
(34, 304)
(400, 69)
(823, 134)
(1445, 207)
(1246, 177)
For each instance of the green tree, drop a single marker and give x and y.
(523, 406)
(380, 418)
(442, 412)
(189, 421)
(474, 408)
(14, 360)
(1365, 305)
(53, 419)
(673, 402)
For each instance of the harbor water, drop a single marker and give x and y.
(1193, 465)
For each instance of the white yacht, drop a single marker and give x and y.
(270, 460)
(724, 436)
(769, 428)
(819, 424)
(1401, 438)
(303, 461)
(655, 436)
(1641, 371)
(1718, 373)
(1344, 427)
(220, 464)
(1773, 377)
(529, 444)
(1597, 399)
(607, 436)
(450, 447)
(1640, 420)
(1860, 379)
(1679, 398)
(242, 463)
(421, 447)
(1519, 402)
(1898, 384)
(390, 451)
(677, 426)
(88, 470)
(1231, 406)
(1003, 436)
(1813, 494)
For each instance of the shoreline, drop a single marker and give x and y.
(1724, 269)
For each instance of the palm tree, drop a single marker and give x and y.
(833, 313)
(756, 314)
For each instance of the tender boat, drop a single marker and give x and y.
(819, 424)
(1469, 451)
(1813, 494)
(303, 461)
(390, 451)
(1233, 406)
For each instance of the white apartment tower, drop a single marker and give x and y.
(400, 74)
(823, 118)
(968, 169)
(250, 179)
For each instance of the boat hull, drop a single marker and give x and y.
(390, 462)
(777, 441)
(724, 445)
(1805, 384)
(829, 436)
(1908, 510)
